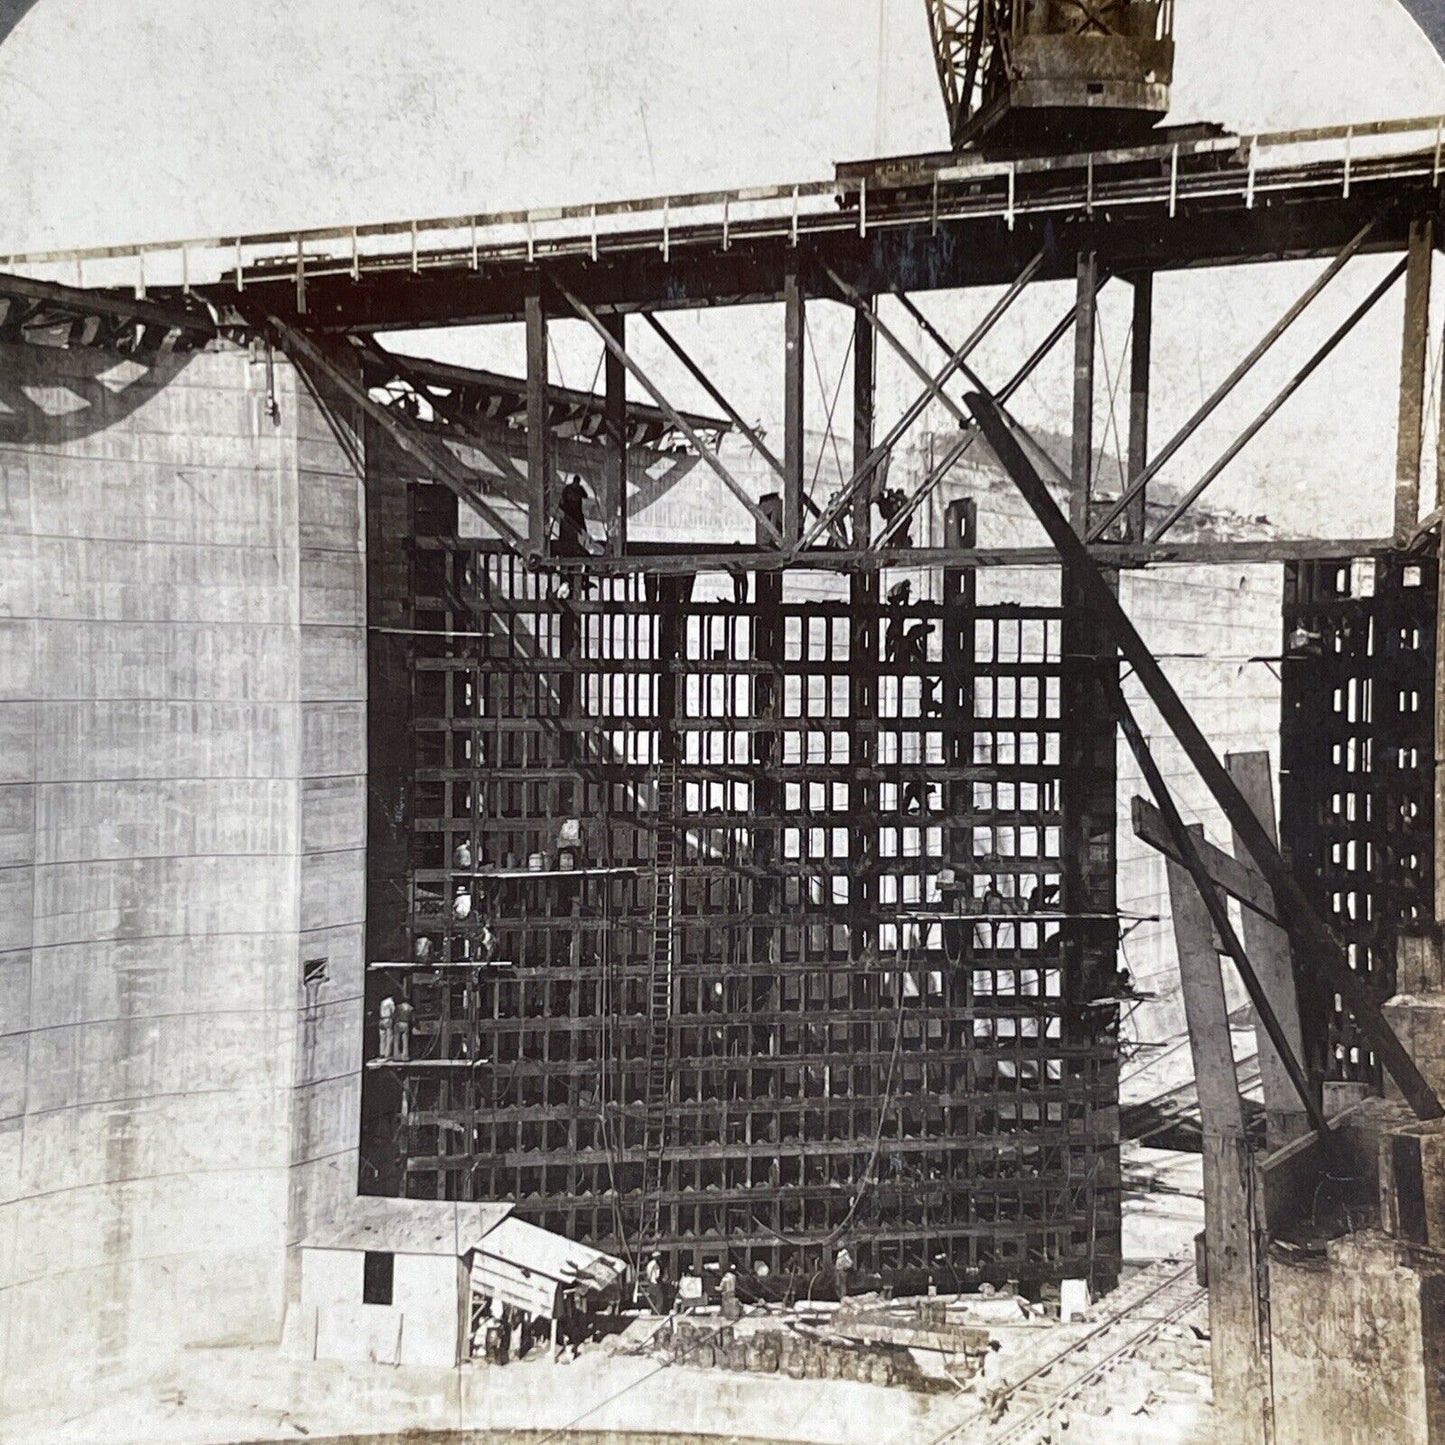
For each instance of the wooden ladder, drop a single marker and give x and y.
(654, 1136)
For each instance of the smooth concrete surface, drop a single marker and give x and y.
(182, 767)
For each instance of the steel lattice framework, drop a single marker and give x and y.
(526, 673)
(885, 1010)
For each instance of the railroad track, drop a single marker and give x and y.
(1161, 1297)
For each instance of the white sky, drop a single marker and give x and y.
(147, 119)
(142, 119)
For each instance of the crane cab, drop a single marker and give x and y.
(1040, 73)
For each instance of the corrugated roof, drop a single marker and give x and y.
(409, 1226)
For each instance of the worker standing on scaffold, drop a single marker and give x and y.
(842, 1268)
(652, 1284)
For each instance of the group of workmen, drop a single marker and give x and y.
(394, 1028)
(572, 536)
(655, 1290)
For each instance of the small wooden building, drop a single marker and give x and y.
(391, 1283)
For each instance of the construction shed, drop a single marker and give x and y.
(391, 1284)
(533, 1269)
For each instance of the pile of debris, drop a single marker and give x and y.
(765, 1347)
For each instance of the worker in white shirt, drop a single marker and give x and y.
(995, 1382)
(404, 1014)
(652, 1284)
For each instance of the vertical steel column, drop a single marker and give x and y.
(1412, 377)
(614, 427)
(863, 658)
(1439, 694)
(1084, 888)
(865, 372)
(539, 479)
(793, 408)
(766, 792)
(1140, 354)
(1085, 320)
(670, 596)
(1089, 683)
(960, 601)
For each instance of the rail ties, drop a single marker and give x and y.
(1142, 1316)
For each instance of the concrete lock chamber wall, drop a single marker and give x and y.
(830, 955)
(181, 832)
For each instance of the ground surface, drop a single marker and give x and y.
(1131, 1371)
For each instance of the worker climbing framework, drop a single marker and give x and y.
(804, 963)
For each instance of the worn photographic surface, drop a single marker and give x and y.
(719, 722)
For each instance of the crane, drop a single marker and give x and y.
(1024, 72)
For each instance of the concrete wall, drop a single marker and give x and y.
(1357, 1345)
(331, 917)
(181, 765)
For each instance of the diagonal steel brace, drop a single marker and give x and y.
(1313, 940)
(585, 313)
(433, 456)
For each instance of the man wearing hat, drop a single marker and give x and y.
(652, 1283)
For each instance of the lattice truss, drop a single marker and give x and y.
(1357, 763)
(870, 1016)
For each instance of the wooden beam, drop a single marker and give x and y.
(1081, 472)
(1236, 1331)
(1240, 880)
(794, 409)
(700, 557)
(1205, 1010)
(1413, 362)
(539, 483)
(1141, 350)
(1268, 947)
(614, 431)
